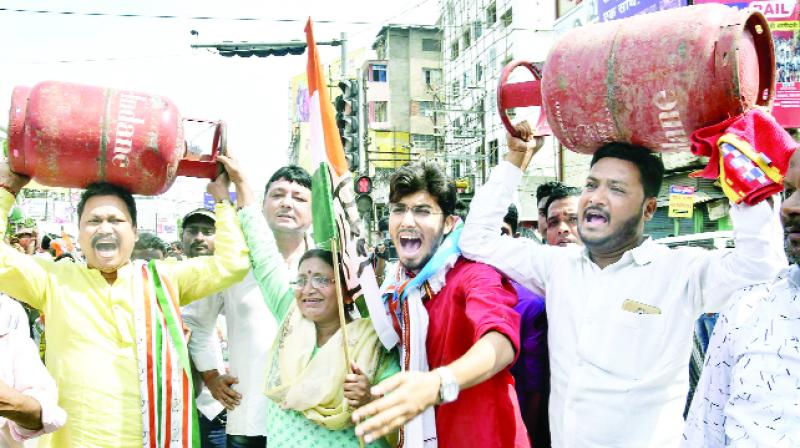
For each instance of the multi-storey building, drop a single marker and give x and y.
(403, 101)
(480, 38)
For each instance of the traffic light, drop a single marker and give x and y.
(261, 50)
(347, 118)
(363, 185)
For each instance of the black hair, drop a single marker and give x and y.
(65, 255)
(651, 168)
(322, 254)
(424, 176)
(46, 242)
(107, 189)
(462, 209)
(290, 173)
(149, 241)
(560, 192)
(512, 218)
(543, 190)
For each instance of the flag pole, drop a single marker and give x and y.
(342, 320)
(340, 300)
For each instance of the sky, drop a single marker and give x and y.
(153, 55)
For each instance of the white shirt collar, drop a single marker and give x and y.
(642, 254)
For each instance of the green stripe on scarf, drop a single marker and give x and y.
(176, 334)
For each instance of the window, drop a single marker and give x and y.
(465, 37)
(478, 72)
(451, 11)
(491, 14)
(491, 61)
(494, 154)
(378, 112)
(426, 108)
(507, 18)
(477, 29)
(422, 141)
(431, 45)
(466, 81)
(433, 77)
(455, 89)
(456, 170)
(454, 51)
(378, 73)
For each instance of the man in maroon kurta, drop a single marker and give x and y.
(475, 301)
(455, 324)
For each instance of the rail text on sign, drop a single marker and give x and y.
(126, 125)
(670, 119)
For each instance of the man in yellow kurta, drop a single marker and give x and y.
(89, 309)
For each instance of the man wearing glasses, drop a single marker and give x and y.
(251, 327)
(454, 322)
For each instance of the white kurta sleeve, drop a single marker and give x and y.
(521, 259)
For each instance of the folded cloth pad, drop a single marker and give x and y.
(749, 154)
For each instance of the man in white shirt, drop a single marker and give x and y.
(28, 394)
(748, 392)
(620, 309)
(13, 316)
(251, 327)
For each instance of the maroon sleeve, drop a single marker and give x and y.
(489, 303)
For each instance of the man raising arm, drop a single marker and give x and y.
(620, 310)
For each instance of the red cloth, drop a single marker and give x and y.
(747, 137)
(475, 300)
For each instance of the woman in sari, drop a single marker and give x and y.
(312, 392)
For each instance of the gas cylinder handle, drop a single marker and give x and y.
(220, 146)
(208, 168)
(520, 94)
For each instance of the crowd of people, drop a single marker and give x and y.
(481, 338)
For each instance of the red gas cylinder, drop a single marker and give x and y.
(651, 79)
(70, 135)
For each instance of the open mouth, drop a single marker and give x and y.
(595, 217)
(410, 245)
(105, 248)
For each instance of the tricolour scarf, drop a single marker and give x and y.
(169, 418)
(402, 317)
(310, 380)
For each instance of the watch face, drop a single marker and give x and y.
(449, 392)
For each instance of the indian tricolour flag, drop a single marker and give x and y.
(334, 208)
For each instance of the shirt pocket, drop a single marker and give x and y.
(633, 343)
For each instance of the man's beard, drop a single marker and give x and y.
(421, 264)
(610, 243)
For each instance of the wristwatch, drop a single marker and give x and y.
(448, 387)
